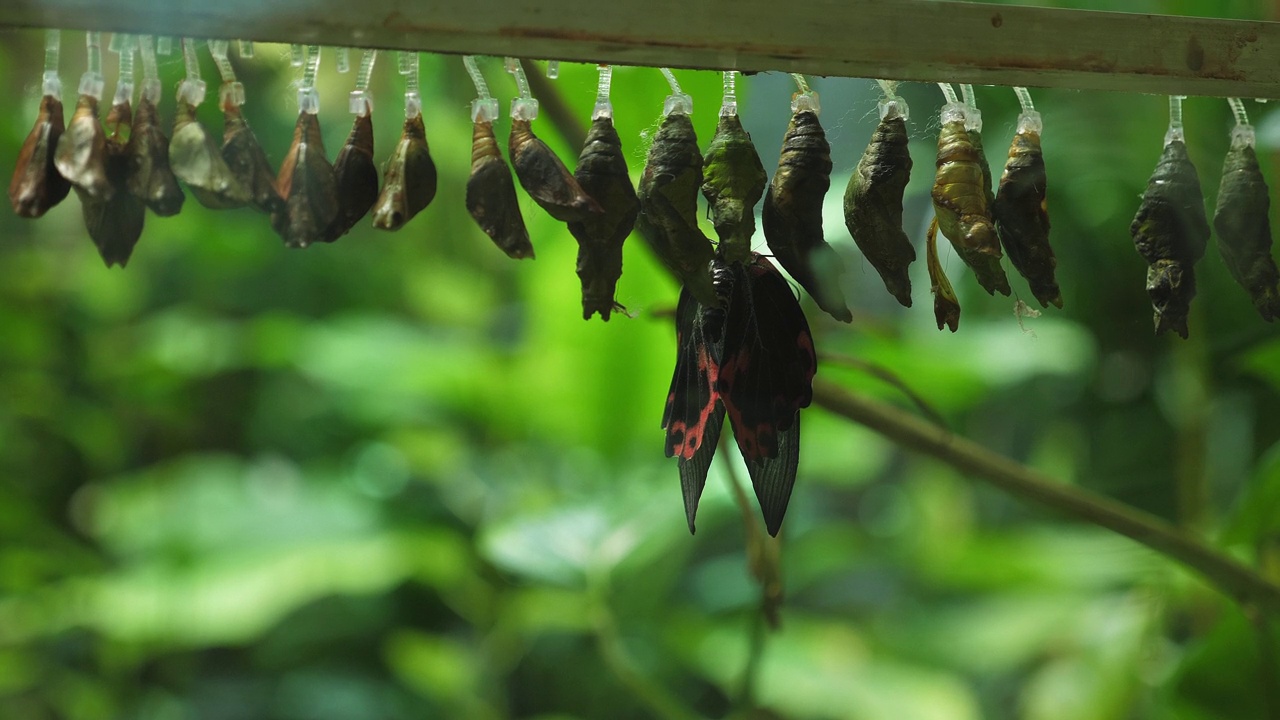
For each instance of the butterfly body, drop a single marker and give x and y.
(750, 359)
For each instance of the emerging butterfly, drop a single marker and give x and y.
(752, 358)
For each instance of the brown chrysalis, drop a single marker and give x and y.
(247, 161)
(602, 173)
(151, 180)
(792, 215)
(356, 174)
(81, 156)
(197, 160)
(946, 306)
(1242, 219)
(873, 205)
(37, 185)
(669, 206)
(409, 183)
(114, 221)
(545, 178)
(960, 200)
(1022, 216)
(491, 195)
(308, 187)
(733, 182)
(1170, 231)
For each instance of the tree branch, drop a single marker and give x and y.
(1229, 575)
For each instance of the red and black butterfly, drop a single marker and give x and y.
(752, 358)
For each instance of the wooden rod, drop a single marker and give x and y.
(916, 40)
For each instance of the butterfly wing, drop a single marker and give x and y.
(694, 415)
(765, 377)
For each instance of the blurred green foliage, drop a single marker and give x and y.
(399, 477)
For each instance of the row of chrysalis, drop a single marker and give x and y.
(1171, 231)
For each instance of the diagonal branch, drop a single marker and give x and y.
(1226, 573)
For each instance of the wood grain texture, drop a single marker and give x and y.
(892, 39)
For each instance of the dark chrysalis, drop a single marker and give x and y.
(669, 206)
(946, 306)
(247, 160)
(308, 188)
(1244, 226)
(749, 357)
(733, 181)
(356, 174)
(545, 178)
(602, 173)
(873, 202)
(151, 180)
(81, 156)
(792, 215)
(1022, 215)
(197, 161)
(960, 199)
(491, 195)
(409, 182)
(1170, 231)
(114, 221)
(37, 185)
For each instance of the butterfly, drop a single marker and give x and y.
(750, 358)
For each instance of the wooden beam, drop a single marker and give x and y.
(893, 39)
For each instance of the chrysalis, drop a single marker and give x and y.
(491, 195)
(37, 185)
(1244, 226)
(545, 178)
(792, 216)
(247, 161)
(1170, 231)
(81, 156)
(197, 161)
(114, 221)
(602, 173)
(873, 203)
(946, 306)
(308, 187)
(410, 179)
(669, 206)
(356, 175)
(150, 179)
(960, 200)
(1022, 216)
(733, 182)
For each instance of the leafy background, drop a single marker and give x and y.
(399, 477)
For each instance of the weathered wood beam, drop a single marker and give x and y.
(892, 39)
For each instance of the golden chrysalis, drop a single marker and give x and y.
(960, 199)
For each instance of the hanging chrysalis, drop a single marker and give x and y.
(114, 221)
(540, 172)
(151, 180)
(973, 125)
(356, 173)
(193, 153)
(81, 155)
(602, 172)
(1170, 230)
(240, 148)
(306, 181)
(1242, 219)
(873, 198)
(946, 306)
(409, 183)
(669, 198)
(960, 199)
(491, 193)
(36, 185)
(733, 179)
(792, 215)
(1021, 214)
